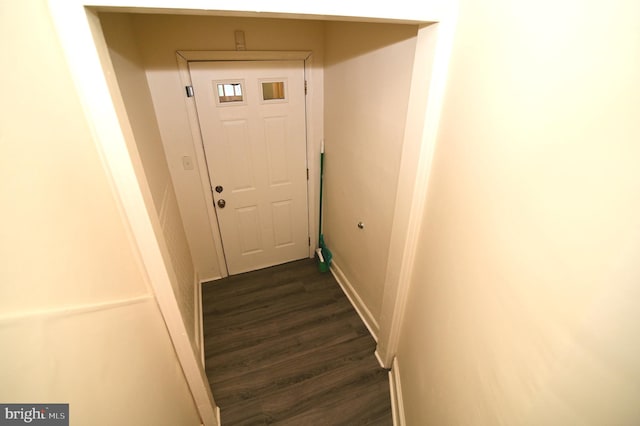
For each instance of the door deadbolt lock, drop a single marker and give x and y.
(222, 203)
(219, 189)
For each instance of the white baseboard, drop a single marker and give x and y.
(199, 319)
(199, 311)
(212, 278)
(395, 388)
(379, 358)
(358, 304)
(217, 417)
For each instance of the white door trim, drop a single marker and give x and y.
(183, 58)
(241, 55)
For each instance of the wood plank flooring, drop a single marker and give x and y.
(283, 345)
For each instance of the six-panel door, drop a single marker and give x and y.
(252, 119)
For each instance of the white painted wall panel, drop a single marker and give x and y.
(135, 93)
(367, 78)
(77, 320)
(524, 305)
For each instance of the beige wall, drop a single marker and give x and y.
(367, 78)
(132, 81)
(524, 301)
(373, 62)
(158, 38)
(77, 320)
(148, 145)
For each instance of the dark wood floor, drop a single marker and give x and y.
(283, 345)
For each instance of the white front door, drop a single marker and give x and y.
(252, 119)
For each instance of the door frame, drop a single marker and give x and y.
(183, 57)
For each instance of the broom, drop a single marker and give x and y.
(324, 254)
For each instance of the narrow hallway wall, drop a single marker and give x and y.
(77, 320)
(367, 79)
(524, 305)
(148, 147)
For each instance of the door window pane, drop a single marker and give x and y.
(230, 92)
(273, 90)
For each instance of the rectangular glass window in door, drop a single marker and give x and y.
(229, 92)
(273, 91)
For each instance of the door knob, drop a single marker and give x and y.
(219, 189)
(222, 203)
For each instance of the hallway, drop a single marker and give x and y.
(284, 345)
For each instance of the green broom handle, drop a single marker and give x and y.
(321, 179)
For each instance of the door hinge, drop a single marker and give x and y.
(189, 90)
(307, 173)
(305, 87)
(309, 241)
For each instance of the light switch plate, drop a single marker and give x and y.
(187, 163)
